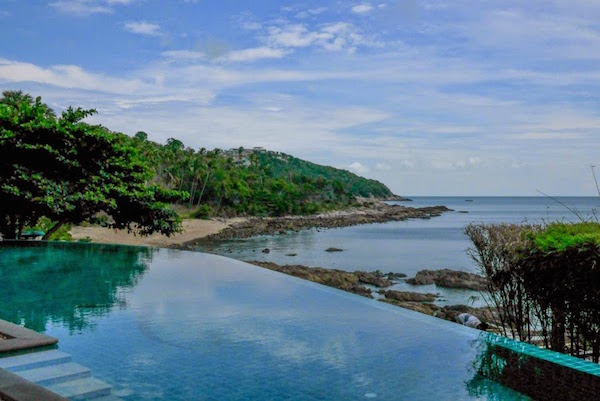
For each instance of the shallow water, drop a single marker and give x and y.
(407, 246)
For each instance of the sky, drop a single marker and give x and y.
(430, 97)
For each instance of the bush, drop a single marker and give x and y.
(561, 270)
(203, 212)
(544, 281)
(496, 253)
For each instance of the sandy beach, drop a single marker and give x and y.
(192, 230)
(216, 229)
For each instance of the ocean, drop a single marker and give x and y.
(408, 246)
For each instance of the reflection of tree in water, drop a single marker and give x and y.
(66, 283)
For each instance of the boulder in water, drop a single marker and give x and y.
(333, 249)
(450, 279)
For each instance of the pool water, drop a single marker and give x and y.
(162, 324)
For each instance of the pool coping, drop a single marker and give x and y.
(15, 388)
(21, 338)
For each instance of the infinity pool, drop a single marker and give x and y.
(171, 325)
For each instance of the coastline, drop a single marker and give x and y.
(197, 231)
(192, 229)
(375, 212)
(365, 283)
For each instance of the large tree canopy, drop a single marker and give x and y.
(70, 171)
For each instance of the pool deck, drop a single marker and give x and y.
(21, 338)
(13, 387)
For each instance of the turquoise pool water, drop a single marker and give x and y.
(173, 325)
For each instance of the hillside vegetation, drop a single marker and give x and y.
(282, 165)
(58, 170)
(251, 182)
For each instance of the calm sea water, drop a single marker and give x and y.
(407, 246)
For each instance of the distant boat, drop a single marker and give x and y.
(468, 200)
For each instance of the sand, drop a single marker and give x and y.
(192, 229)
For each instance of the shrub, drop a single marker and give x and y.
(543, 281)
(203, 212)
(496, 253)
(561, 270)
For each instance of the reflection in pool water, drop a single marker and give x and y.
(66, 283)
(164, 324)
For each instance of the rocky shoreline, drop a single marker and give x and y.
(420, 302)
(343, 280)
(374, 212)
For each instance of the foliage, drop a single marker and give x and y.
(282, 165)
(558, 237)
(203, 212)
(69, 171)
(561, 270)
(62, 234)
(544, 281)
(258, 183)
(496, 253)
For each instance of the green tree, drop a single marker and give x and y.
(70, 172)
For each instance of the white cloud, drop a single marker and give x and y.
(311, 12)
(143, 28)
(254, 54)
(358, 168)
(65, 76)
(333, 36)
(87, 7)
(362, 8)
(544, 136)
(242, 55)
(469, 162)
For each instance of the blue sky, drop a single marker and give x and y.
(430, 97)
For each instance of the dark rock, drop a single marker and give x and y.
(463, 211)
(427, 308)
(347, 281)
(333, 249)
(371, 212)
(449, 279)
(395, 276)
(406, 296)
(373, 279)
(266, 250)
(290, 254)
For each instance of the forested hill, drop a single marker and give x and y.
(252, 181)
(282, 165)
(59, 170)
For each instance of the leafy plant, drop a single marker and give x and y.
(68, 171)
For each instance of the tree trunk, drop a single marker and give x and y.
(193, 191)
(52, 230)
(557, 336)
(203, 187)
